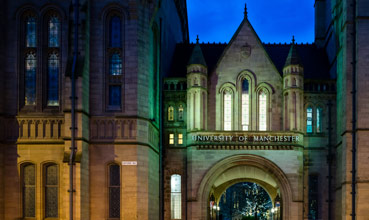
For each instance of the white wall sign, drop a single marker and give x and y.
(129, 163)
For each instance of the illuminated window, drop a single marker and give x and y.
(309, 120)
(51, 191)
(180, 113)
(53, 80)
(115, 65)
(171, 138)
(262, 111)
(170, 113)
(175, 201)
(114, 191)
(318, 120)
(29, 191)
(31, 32)
(227, 111)
(245, 105)
(30, 79)
(54, 32)
(180, 138)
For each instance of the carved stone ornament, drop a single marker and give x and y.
(246, 50)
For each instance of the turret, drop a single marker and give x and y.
(293, 90)
(197, 90)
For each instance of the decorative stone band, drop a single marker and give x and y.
(245, 147)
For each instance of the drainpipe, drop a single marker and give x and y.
(73, 102)
(354, 126)
(329, 160)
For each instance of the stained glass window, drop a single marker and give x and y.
(309, 120)
(170, 113)
(54, 32)
(114, 191)
(31, 32)
(115, 95)
(180, 113)
(53, 80)
(180, 138)
(313, 197)
(318, 120)
(29, 191)
(115, 65)
(30, 79)
(51, 191)
(227, 111)
(262, 111)
(245, 105)
(171, 138)
(175, 202)
(115, 32)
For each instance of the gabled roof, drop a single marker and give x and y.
(313, 59)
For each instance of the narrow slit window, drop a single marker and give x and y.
(170, 113)
(114, 191)
(53, 80)
(51, 191)
(54, 32)
(30, 79)
(31, 30)
(180, 113)
(263, 111)
(29, 191)
(245, 105)
(227, 111)
(309, 120)
(176, 197)
(115, 32)
(318, 120)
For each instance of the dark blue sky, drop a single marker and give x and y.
(273, 20)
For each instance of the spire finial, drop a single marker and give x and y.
(293, 39)
(197, 39)
(245, 12)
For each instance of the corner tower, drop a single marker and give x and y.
(293, 90)
(197, 92)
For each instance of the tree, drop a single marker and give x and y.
(245, 199)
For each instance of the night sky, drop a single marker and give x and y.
(273, 20)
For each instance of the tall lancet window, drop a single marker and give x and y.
(29, 191)
(115, 32)
(51, 191)
(30, 79)
(245, 105)
(309, 120)
(318, 120)
(175, 201)
(31, 30)
(227, 111)
(54, 32)
(114, 191)
(53, 80)
(263, 111)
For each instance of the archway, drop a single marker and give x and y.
(245, 168)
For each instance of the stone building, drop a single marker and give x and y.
(165, 126)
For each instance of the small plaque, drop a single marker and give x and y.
(129, 163)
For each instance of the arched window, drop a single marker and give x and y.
(263, 111)
(176, 197)
(180, 113)
(319, 120)
(245, 105)
(227, 116)
(30, 79)
(51, 190)
(54, 31)
(31, 32)
(114, 54)
(114, 191)
(309, 120)
(294, 82)
(115, 32)
(29, 190)
(53, 80)
(170, 113)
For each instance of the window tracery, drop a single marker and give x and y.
(51, 191)
(176, 197)
(29, 190)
